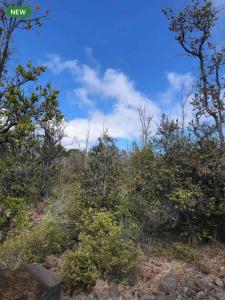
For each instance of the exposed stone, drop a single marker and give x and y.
(165, 288)
(207, 283)
(80, 296)
(114, 291)
(218, 282)
(136, 295)
(168, 284)
(147, 297)
(101, 290)
(30, 282)
(200, 295)
(204, 269)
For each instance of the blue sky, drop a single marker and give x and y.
(109, 57)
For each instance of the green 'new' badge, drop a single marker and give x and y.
(18, 11)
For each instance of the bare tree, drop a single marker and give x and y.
(86, 147)
(145, 125)
(183, 103)
(193, 28)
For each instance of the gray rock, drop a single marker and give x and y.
(81, 296)
(136, 295)
(147, 297)
(30, 282)
(114, 292)
(206, 283)
(179, 297)
(169, 284)
(212, 298)
(200, 295)
(219, 282)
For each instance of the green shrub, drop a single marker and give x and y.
(185, 253)
(79, 273)
(102, 234)
(33, 245)
(101, 247)
(13, 211)
(67, 207)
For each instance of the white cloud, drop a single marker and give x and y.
(57, 65)
(180, 89)
(82, 95)
(90, 57)
(180, 82)
(120, 93)
(179, 86)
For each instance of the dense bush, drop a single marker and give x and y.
(178, 189)
(102, 252)
(13, 214)
(67, 206)
(79, 273)
(100, 182)
(34, 245)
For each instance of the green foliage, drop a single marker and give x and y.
(13, 208)
(100, 182)
(16, 176)
(185, 253)
(30, 132)
(101, 247)
(177, 187)
(79, 273)
(67, 206)
(114, 255)
(186, 199)
(150, 183)
(104, 199)
(34, 245)
(177, 250)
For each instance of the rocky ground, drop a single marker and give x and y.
(161, 278)
(169, 288)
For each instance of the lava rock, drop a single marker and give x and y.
(30, 282)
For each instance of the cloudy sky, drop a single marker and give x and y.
(108, 58)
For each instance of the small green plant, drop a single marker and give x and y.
(160, 249)
(13, 209)
(185, 253)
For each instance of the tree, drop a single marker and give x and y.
(168, 134)
(13, 109)
(29, 122)
(8, 26)
(193, 28)
(30, 125)
(101, 180)
(145, 125)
